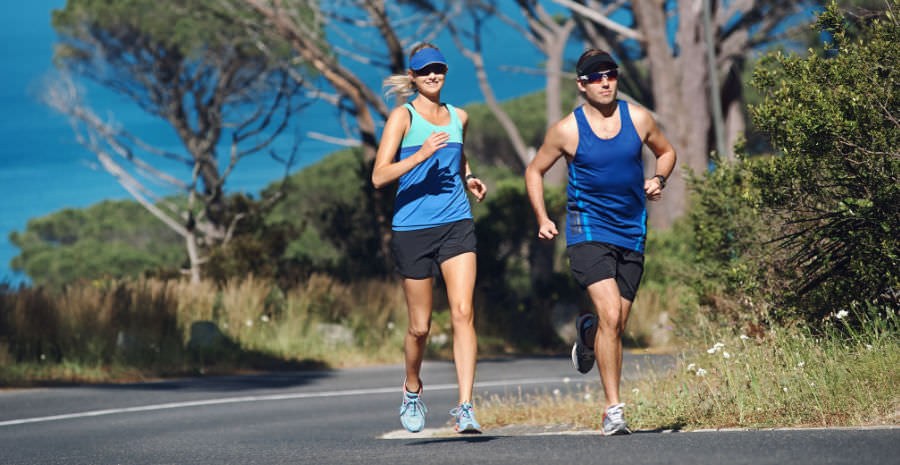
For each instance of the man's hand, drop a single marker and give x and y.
(653, 189)
(547, 230)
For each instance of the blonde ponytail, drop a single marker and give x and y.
(400, 85)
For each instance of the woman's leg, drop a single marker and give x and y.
(418, 304)
(459, 275)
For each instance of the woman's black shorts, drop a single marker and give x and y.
(596, 261)
(419, 252)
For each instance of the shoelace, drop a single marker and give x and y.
(616, 413)
(464, 411)
(414, 403)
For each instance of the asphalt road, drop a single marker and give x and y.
(344, 416)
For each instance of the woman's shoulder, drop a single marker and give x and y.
(462, 114)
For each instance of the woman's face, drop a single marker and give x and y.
(430, 79)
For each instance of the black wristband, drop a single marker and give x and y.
(662, 180)
(470, 176)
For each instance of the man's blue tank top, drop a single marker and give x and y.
(606, 200)
(431, 194)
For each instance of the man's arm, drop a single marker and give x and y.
(553, 147)
(660, 146)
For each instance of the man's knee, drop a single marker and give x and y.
(609, 317)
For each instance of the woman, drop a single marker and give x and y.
(422, 149)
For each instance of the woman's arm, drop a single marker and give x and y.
(475, 185)
(386, 170)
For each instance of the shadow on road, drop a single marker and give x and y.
(462, 438)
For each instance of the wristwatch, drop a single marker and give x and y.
(470, 176)
(662, 180)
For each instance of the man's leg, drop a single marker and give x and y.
(612, 314)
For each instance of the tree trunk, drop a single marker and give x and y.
(682, 102)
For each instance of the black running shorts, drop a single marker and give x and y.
(596, 261)
(417, 252)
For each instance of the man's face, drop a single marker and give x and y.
(600, 86)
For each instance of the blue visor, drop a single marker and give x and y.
(425, 57)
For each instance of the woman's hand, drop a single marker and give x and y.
(434, 142)
(477, 188)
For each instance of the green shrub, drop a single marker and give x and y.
(832, 190)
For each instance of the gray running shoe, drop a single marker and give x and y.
(582, 354)
(614, 421)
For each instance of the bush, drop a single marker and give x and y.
(833, 187)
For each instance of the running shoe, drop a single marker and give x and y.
(582, 352)
(465, 419)
(614, 421)
(412, 411)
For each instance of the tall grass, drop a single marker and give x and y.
(133, 329)
(784, 377)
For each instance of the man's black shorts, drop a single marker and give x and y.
(418, 251)
(596, 261)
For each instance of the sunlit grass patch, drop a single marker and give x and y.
(128, 330)
(788, 377)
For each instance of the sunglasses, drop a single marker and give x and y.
(610, 74)
(435, 68)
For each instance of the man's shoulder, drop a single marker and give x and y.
(638, 113)
(567, 125)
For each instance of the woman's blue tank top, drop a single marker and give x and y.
(606, 200)
(431, 194)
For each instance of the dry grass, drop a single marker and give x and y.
(787, 377)
(109, 330)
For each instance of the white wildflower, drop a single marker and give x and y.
(264, 318)
(248, 323)
(800, 364)
(701, 372)
(692, 366)
(635, 390)
(744, 337)
(841, 314)
(390, 325)
(869, 346)
(556, 392)
(784, 389)
(567, 380)
(715, 348)
(726, 355)
(43, 357)
(587, 396)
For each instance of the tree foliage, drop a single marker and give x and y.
(833, 118)
(190, 63)
(111, 238)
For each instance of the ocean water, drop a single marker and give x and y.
(43, 169)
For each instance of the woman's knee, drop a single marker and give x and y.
(462, 315)
(419, 330)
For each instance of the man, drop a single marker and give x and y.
(606, 221)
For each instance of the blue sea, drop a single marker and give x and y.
(43, 169)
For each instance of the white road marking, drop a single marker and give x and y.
(234, 400)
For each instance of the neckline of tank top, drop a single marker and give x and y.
(413, 107)
(594, 133)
